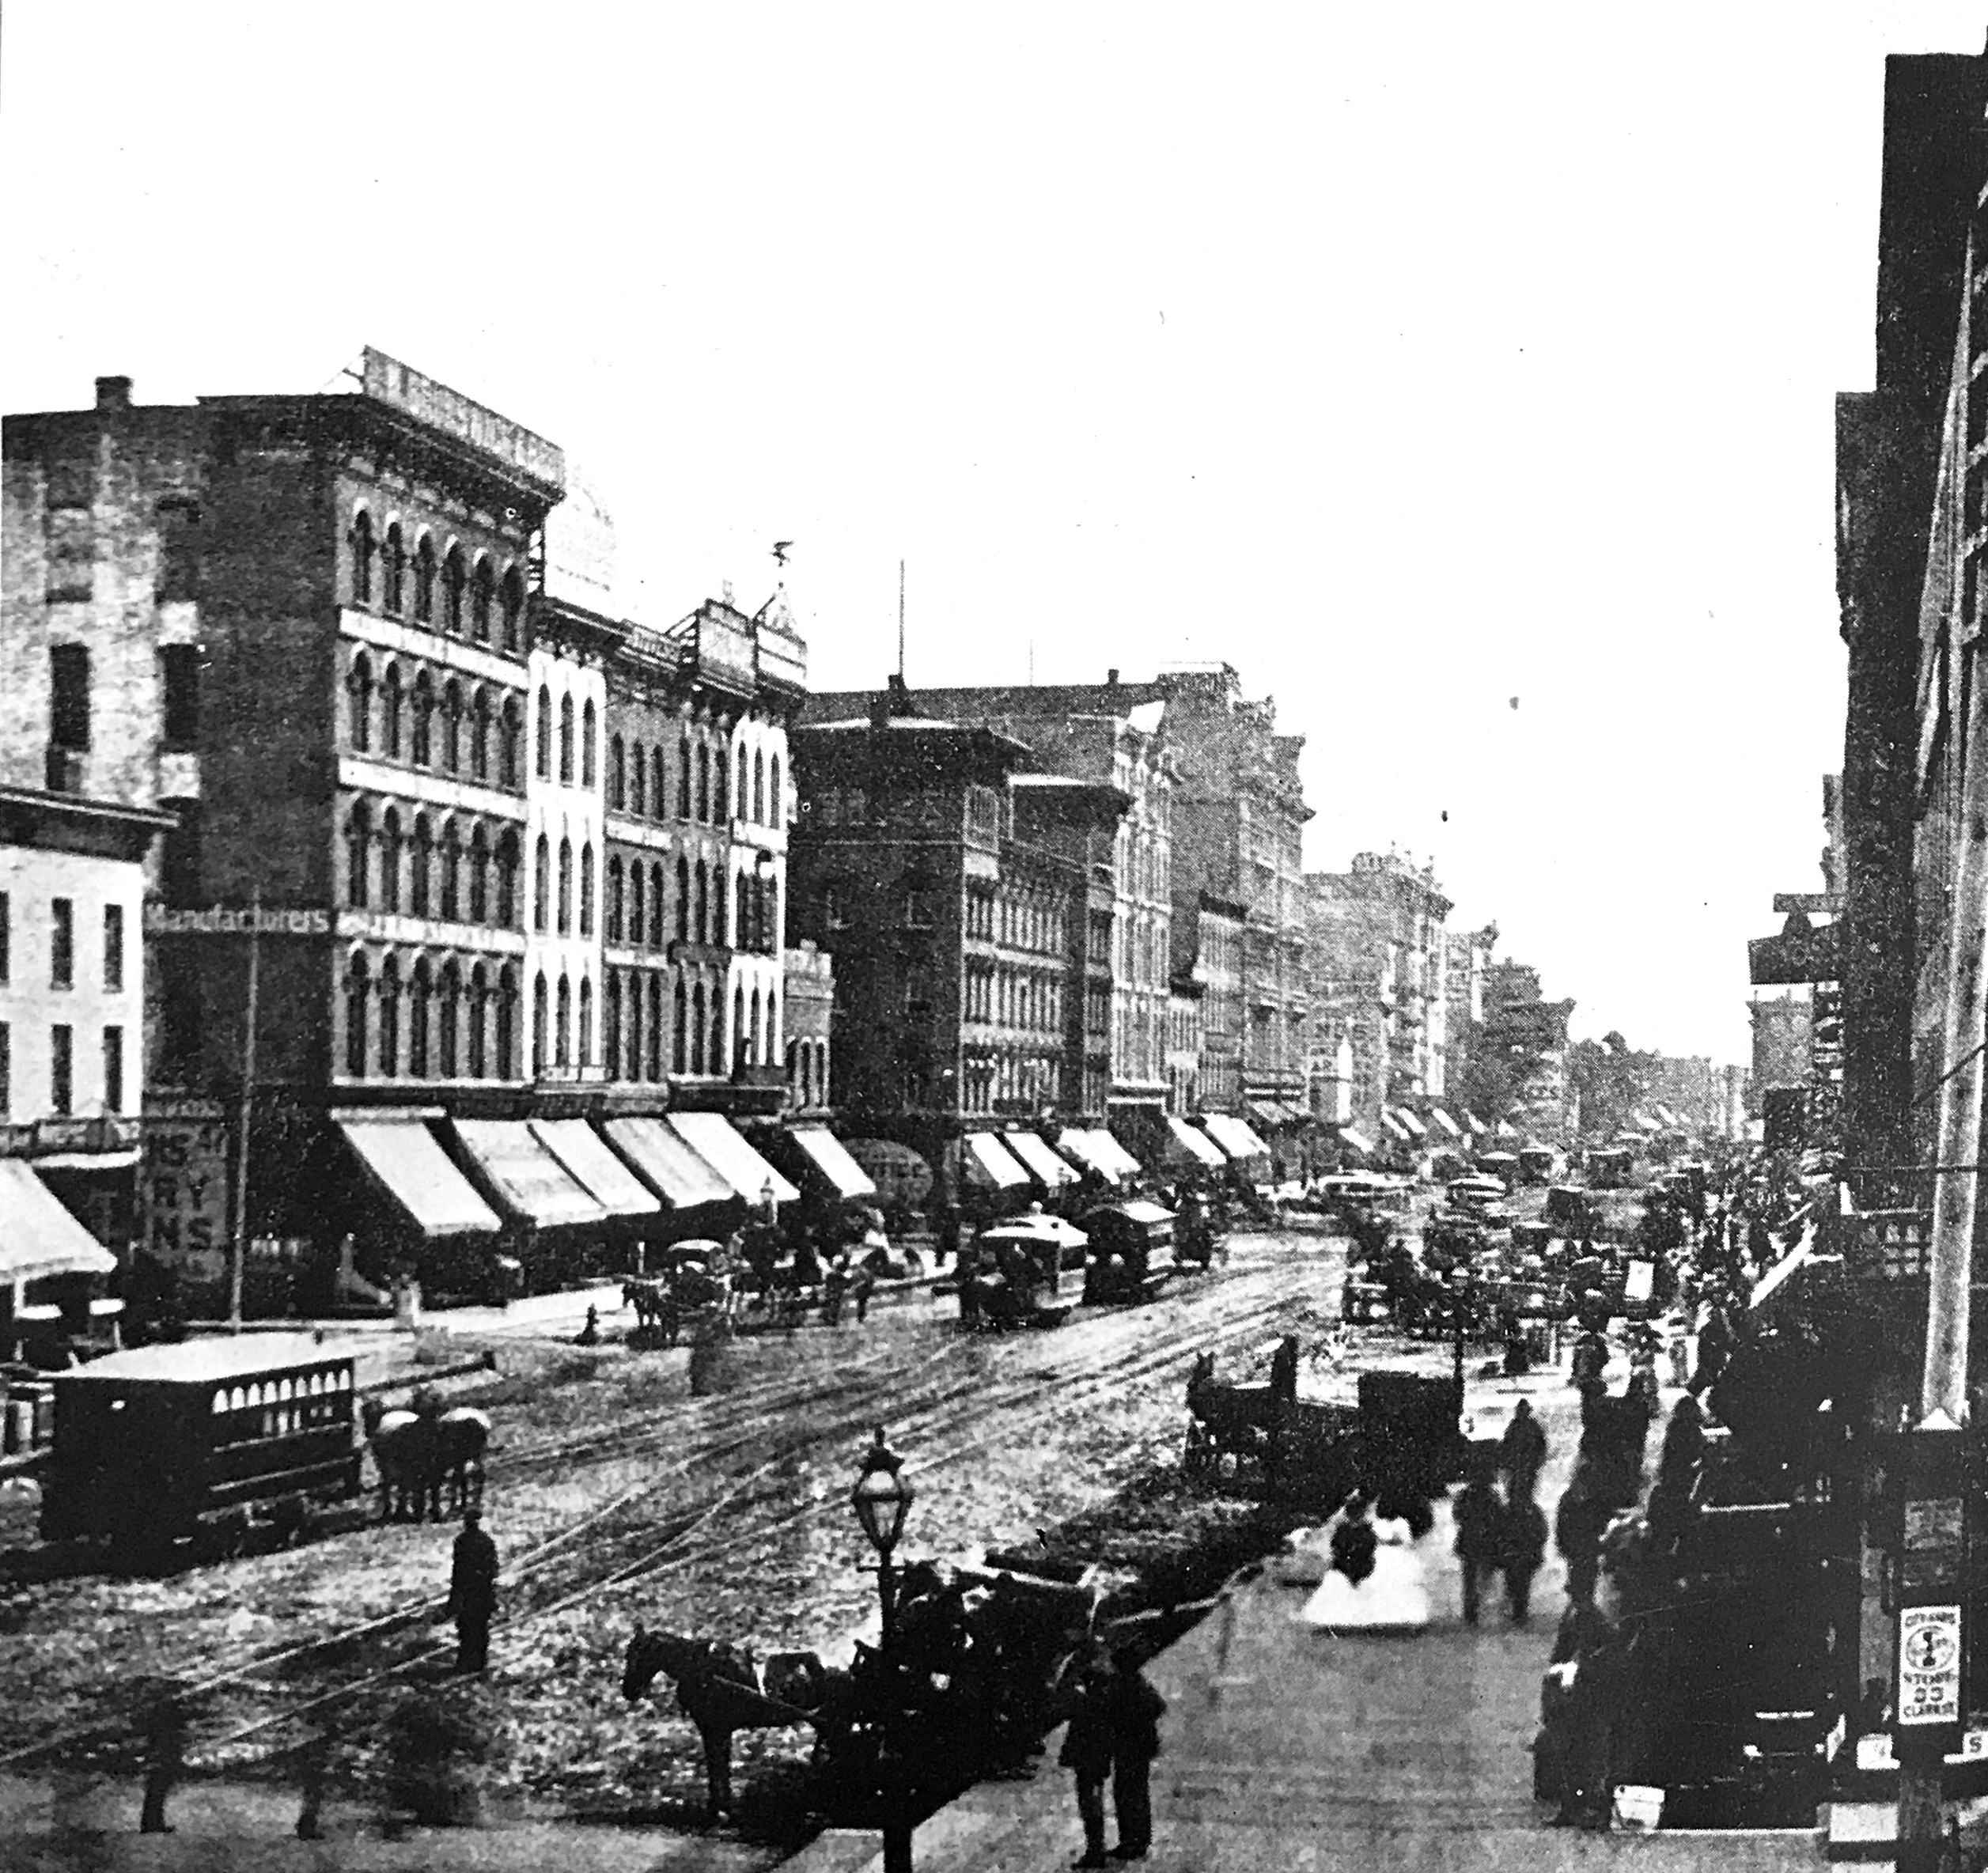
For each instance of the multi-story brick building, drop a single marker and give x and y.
(1209, 939)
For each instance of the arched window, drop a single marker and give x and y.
(421, 723)
(451, 872)
(479, 876)
(638, 792)
(356, 988)
(479, 735)
(479, 1004)
(542, 885)
(635, 903)
(754, 1057)
(455, 575)
(721, 772)
(421, 995)
(703, 781)
(361, 557)
(744, 795)
(741, 913)
(697, 1029)
(390, 844)
(775, 804)
(359, 704)
(655, 1059)
(562, 1025)
(618, 774)
(451, 728)
(359, 855)
(703, 920)
(425, 580)
(635, 1024)
(583, 1044)
(507, 1024)
(740, 1058)
(423, 870)
(482, 586)
(390, 713)
(566, 741)
(539, 1022)
(586, 745)
(614, 900)
(393, 564)
(389, 1018)
(565, 911)
(611, 1025)
(586, 890)
(683, 781)
(659, 786)
(509, 765)
(542, 758)
(680, 1035)
(759, 788)
(656, 915)
(509, 858)
(513, 598)
(683, 900)
(451, 1010)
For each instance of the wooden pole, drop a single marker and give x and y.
(238, 1259)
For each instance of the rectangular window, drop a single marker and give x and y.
(113, 1069)
(114, 947)
(6, 1070)
(62, 1069)
(6, 935)
(62, 945)
(180, 680)
(69, 695)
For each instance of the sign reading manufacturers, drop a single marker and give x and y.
(1928, 1665)
(235, 920)
(388, 381)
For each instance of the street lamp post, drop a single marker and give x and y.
(881, 1499)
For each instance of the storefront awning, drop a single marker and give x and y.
(1117, 1161)
(1185, 1142)
(824, 1150)
(1443, 1119)
(1414, 1125)
(1477, 1125)
(1394, 1129)
(712, 1136)
(585, 1158)
(1357, 1139)
(1078, 1142)
(529, 1181)
(1236, 1139)
(985, 1161)
(38, 1236)
(668, 1164)
(1041, 1162)
(1268, 1112)
(407, 1162)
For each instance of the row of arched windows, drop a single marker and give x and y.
(641, 782)
(647, 1020)
(808, 1072)
(406, 714)
(448, 866)
(471, 600)
(556, 905)
(571, 773)
(757, 793)
(640, 914)
(561, 1022)
(430, 1019)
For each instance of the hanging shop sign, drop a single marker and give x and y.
(1929, 1665)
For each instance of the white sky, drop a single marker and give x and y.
(1411, 358)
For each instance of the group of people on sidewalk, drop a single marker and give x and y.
(1113, 1735)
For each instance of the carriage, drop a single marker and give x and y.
(1131, 1250)
(1026, 1272)
(206, 1441)
(692, 1291)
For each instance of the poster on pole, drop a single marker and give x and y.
(1928, 1665)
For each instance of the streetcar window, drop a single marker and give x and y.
(220, 1401)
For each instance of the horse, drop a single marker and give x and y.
(421, 1451)
(720, 1690)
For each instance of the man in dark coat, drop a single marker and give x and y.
(1522, 1451)
(1581, 1736)
(1087, 1752)
(1480, 1515)
(1133, 1709)
(1525, 1548)
(472, 1592)
(1578, 1523)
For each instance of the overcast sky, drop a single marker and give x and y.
(1461, 374)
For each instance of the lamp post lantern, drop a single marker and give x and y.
(882, 1500)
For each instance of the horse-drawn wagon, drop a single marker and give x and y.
(1026, 1272)
(691, 1291)
(1131, 1255)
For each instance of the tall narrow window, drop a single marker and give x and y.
(512, 766)
(113, 1069)
(507, 915)
(390, 848)
(656, 906)
(697, 1029)
(479, 736)
(703, 918)
(513, 598)
(540, 1018)
(683, 779)
(774, 804)
(506, 1064)
(451, 728)
(363, 558)
(478, 1006)
(390, 713)
(479, 876)
(683, 900)
(741, 915)
(586, 891)
(542, 885)
(586, 746)
(69, 695)
(421, 995)
(6, 943)
(542, 757)
(611, 1025)
(355, 1001)
(422, 869)
(703, 782)
(455, 575)
(389, 1018)
(721, 770)
(636, 903)
(62, 944)
(583, 1041)
(638, 791)
(658, 785)
(679, 1034)
(424, 581)
(358, 689)
(393, 565)
(62, 1069)
(114, 949)
(655, 1024)
(739, 1056)
(452, 872)
(481, 588)
(566, 741)
(422, 724)
(744, 794)
(562, 1025)
(446, 1055)
(635, 1024)
(617, 774)
(359, 839)
(179, 696)
(614, 895)
(566, 888)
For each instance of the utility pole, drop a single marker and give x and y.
(900, 621)
(238, 1260)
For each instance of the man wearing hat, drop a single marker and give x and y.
(472, 1592)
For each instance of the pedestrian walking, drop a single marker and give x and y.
(1087, 1751)
(1522, 1451)
(862, 1285)
(472, 1592)
(1134, 1708)
(1591, 1644)
(165, 1744)
(1577, 1526)
(1480, 1515)
(1525, 1548)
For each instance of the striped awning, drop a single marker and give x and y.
(1443, 1119)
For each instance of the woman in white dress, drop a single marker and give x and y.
(1375, 1584)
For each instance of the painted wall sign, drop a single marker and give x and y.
(235, 920)
(183, 1190)
(1928, 1665)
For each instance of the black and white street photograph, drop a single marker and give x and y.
(986, 938)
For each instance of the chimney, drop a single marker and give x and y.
(1111, 679)
(879, 709)
(113, 393)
